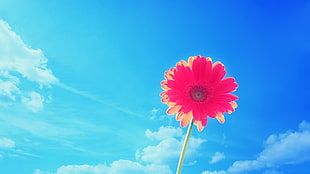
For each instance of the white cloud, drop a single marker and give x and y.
(164, 133)
(169, 147)
(6, 143)
(217, 157)
(38, 171)
(215, 172)
(167, 150)
(34, 102)
(245, 166)
(272, 171)
(18, 61)
(8, 90)
(16, 56)
(289, 148)
(151, 160)
(304, 126)
(117, 167)
(125, 166)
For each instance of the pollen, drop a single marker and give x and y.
(198, 93)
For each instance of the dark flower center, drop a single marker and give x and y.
(198, 93)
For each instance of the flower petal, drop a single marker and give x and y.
(220, 117)
(224, 98)
(233, 104)
(183, 74)
(187, 118)
(201, 68)
(180, 116)
(199, 125)
(218, 72)
(164, 85)
(190, 60)
(173, 109)
(226, 85)
(182, 63)
(169, 75)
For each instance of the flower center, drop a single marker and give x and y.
(198, 93)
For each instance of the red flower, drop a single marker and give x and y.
(197, 89)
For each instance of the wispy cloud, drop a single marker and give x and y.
(20, 153)
(154, 112)
(20, 66)
(191, 163)
(218, 156)
(19, 61)
(60, 130)
(6, 143)
(287, 148)
(8, 147)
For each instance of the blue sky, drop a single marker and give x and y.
(80, 84)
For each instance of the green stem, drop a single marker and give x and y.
(181, 159)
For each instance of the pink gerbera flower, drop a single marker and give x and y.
(197, 89)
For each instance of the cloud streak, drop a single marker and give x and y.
(8, 147)
(96, 99)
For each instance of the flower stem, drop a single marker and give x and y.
(181, 159)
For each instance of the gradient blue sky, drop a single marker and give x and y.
(79, 86)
